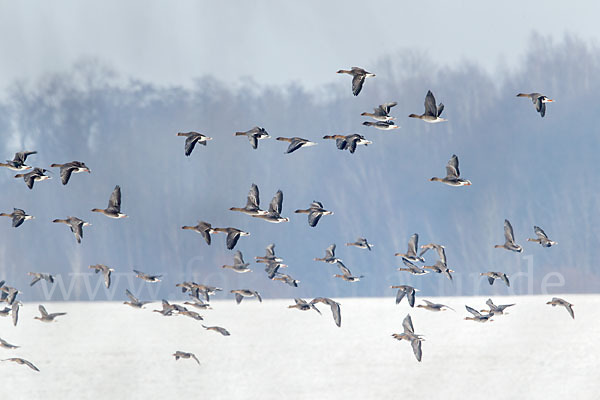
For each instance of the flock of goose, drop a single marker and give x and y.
(200, 293)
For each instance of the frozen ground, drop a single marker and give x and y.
(111, 351)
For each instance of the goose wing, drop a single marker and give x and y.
(65, 173)
(114, 203)
(473, 311)
(314, 217)
(232, 239)
(253, 197)
(400, 295)
(430, 107)
(131, 296)
(540, 232)
(276, 203)
(357, 83)
(452, 170)
(238, 258)
(43, 311)
(295, 144)
(408, 325)
(330, 251)
(416, 346)
(344, 269)
(508, 232)
(412, 245)
(190, 143)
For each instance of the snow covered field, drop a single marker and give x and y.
(111, 351)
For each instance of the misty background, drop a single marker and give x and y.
(530, 170)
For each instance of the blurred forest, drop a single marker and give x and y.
(530, 170)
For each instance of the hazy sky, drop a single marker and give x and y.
(271, 41)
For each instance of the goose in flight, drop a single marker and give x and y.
(269, 256)
(278, 276)
(106, 271)
(477, 316)
(346, 274)
(410, 335)
(203, 228)
(18, 162)
(191, 139)
(358, 78)
(239, 265)
(114, 205)
(335, 308)
(18, 217)
(188, 313)
(252, 203)
(147, 277)
(452, 177)
(254, 135)
(348, 142)
(233, 235)
(8, 293)
(6, 345)
(411, 253)
(241, 293)
(382, 125)
(381, 112)
(303, 305)
(542, 238)
(14, 309)
(274, 213)
(45, 317)
(22, 362)
(412, 268)
(315, 212)
(539, 100)
(182, 354)
(405, 290)
(330, 257)
(37, 276)
(222, 331)
(560, 302)
(134, 301)
(440, 265)
(509, 235)
(295, 143)
(76, 226)
(69, 168)
(361, 243)
(199, 304)
(432, 112)
(436, 307)
(492, 276)
(496, 309)
(38, 174)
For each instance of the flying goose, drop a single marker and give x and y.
(269, 256)
(34, 176)
(335, 308)
(18, 217)
(134, 301)
(47, 317)
(432, 112)
(509, 243)
(146, 277)
(37, 276)
(222, 331)
(278, 276)
(405, 290)
(330, 257)
(8, 293)
(18, 162)
(233, 235)
(274, 213)
(410, 335)
(346, 274)
(303, 305)
(254, 135)
(182, 354)
(241, 293)
(411, 253)
(477, 316)
(239, 265)
(191, 139)
(361, 243)
(198, 303)
(69, 168)
(23, 362)
(382, 125)
(203, 228)
(539, 100)
(440, 265)
(452, 177)
(348, 142)
(296, 143)
(434, 306)
(412, 268)
(6, 345)
(252, 203)
(381, 112)
(106, 271)
(76, 226)
(114, 205)
(358, 78)
(560, 302)
(496, 309)
(492, 276)
(192, 314)
(542, 238)
(197, 289)
(315, 212)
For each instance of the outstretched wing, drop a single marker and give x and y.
(313, 218)
(114, 203)
(508, 232)
(238, 258)
(440, 108)
(540, 232)
(330, 251)
(232, 239)
(416, 346)
(270, 250)
(43, 311)
(473, 311)
(253, 197)
(430, 107)
(412, 245)
(344, 269)
(400, 295)
(357, 83)
(408, 325)
(452, 170)
(276, 203)
(131, 296)
(65, 174)
(190, 143)
(335, 310)
(238, 298)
